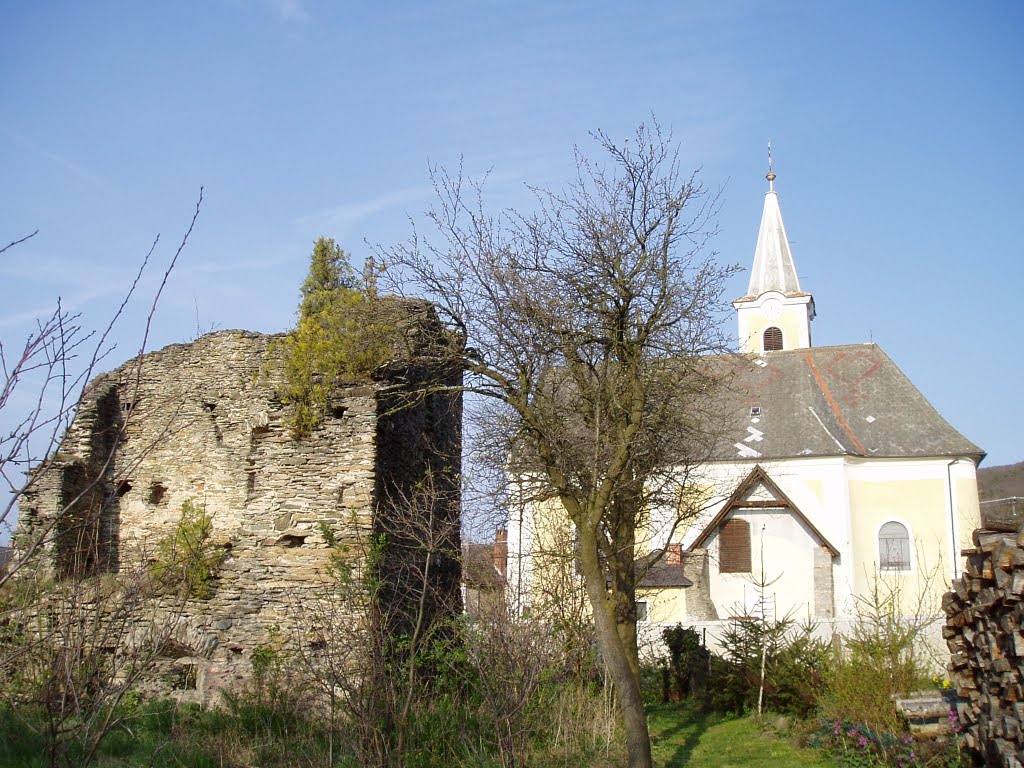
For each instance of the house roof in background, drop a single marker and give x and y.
(656, 572)
(478, 569)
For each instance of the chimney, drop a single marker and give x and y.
(501, 551)
(674, 554)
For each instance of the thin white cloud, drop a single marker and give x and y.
(40, 266)
(341, 218)
(290, 10)
(83, 173)
(70, 282)
(72, 305)
(215, 267)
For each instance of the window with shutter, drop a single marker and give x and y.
(734, 547)
(772, 339)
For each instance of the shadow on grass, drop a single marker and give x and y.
(675, 732)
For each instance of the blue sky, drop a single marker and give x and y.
(896, 132)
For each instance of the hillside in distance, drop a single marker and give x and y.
(1001, 482)
(1001, 490)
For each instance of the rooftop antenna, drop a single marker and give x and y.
(771, 172)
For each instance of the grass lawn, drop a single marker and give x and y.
(187, 738)
(684, 737)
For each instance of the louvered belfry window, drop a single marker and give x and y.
(772, 339)
(734, 547)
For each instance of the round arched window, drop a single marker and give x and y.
(893, 547)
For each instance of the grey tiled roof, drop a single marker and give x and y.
(830, 401)
(660, 573)
(478, 567)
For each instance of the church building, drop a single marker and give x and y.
(834, 478)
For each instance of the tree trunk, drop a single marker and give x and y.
(626, 629)
(616, 656)
(622, 567)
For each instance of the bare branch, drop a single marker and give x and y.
(585, 319)
(19, 241)
(49, 362)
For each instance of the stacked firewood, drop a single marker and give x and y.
(984, 616)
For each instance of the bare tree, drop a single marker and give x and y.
(587, 321)
(77, 626)
(377, 630)
(57, 365)
(510, 659)
(73, 650)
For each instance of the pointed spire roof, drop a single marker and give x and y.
(773, 262)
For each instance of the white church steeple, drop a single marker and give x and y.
(775, 314)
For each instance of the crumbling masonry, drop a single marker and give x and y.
(204, 422)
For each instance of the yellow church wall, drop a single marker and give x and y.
(789, 323)
(816, 486)
(967, 506)
(555, 588)
(921, 505)
(660, 527)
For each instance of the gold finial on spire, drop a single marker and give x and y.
(771, 173)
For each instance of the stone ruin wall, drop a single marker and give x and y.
(984, 621)
(202, 422)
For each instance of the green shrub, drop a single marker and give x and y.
(344, 330)
(187, 559)
(858, 691)
(884, 655)
(687, 663)
(794, 662)
(273, 703)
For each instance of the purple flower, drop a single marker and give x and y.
(852, 732)
(862, 742)
(954, 722)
